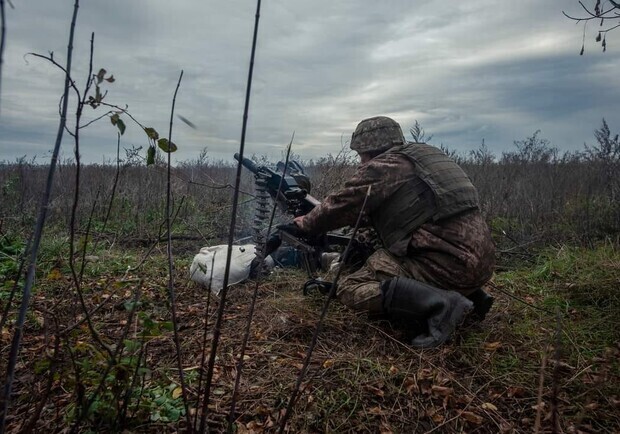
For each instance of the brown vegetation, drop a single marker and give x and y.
(519, 371)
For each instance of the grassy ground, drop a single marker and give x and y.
(551, 342)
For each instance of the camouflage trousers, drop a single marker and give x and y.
(361, 289)
(458, 255)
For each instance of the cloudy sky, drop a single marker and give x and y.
(466, 70)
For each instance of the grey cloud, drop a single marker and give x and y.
(467, 71)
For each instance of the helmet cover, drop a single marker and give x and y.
(376, 134)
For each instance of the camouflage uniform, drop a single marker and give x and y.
(455, 253)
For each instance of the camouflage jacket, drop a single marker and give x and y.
(383, 173)
(459, 243)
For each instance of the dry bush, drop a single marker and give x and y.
(532, 193)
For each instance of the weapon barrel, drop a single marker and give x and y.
(247, 163)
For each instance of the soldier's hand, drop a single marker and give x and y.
(292, 229)
(299, 221)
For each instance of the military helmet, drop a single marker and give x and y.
(377, 134)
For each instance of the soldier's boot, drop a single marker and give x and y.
(482, 304)
(441, 310)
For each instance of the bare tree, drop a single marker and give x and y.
(606, 13)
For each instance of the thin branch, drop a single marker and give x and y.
(203, 347)
(539, 399)
(171, 294)
(114, 185)
(77, 279)
(65, 70)
(38, 232)
(261, 255)
(593, 16)
(2, 40)
(231, 233)
(317, 330)
(97, 119)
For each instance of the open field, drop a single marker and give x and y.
(99, 352)
(498, 376)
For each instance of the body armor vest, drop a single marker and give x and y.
(438, 188)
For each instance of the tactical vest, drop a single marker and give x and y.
(438, 188)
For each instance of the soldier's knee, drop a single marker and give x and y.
(364, 297)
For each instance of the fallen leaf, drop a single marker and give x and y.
(385, 429)
(516, 392)
(489, 406)
(376, 391)
(54, 274)
(492, 346)
(425, 387)
(376, 411)
(442, 390)
(435, 415)
(471, 417)
(425, 373)
(328, 363)
(393, 370)
(241, 429)
(561, 365)
(177, 392)
(411, 386)
(506, 428)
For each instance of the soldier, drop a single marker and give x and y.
(438, 249)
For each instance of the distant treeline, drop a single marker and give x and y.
(533, 193)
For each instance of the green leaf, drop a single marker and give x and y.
(151, 133)
(132, 345)
(150, 155)
(167, 325)
(174, 414)
(121, 126)
(166, 146)
(129, 305)
(100, 75)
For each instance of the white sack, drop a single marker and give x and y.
(240, 260)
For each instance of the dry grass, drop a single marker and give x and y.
(362, 378)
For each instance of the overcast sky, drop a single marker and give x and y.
(466, 70)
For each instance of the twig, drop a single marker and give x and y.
(556, 374)
(38, 232)
(520, 300)
(261, 256)
(2, 40)
(171, 293)
(77, 278)
(120, 345)
(203, 347)
(231, 234)
(539, 400)
(36, 414)
(332, 294)
(114, 184)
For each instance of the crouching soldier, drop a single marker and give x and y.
(438, 249)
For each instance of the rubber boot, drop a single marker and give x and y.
(482, 304)
(442, 310)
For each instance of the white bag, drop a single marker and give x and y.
(215, 257)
